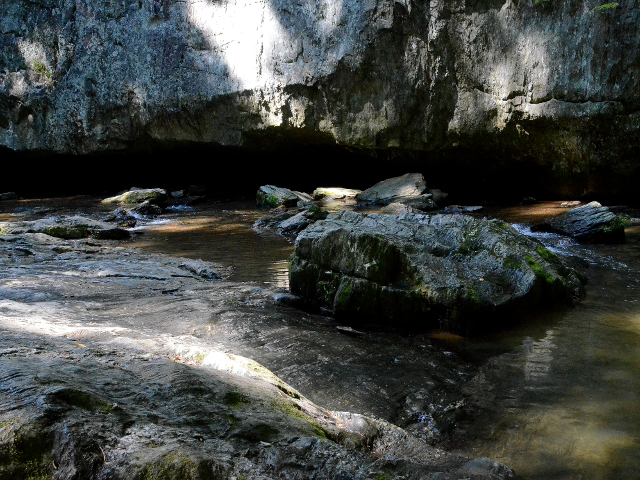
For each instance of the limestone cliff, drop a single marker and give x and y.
(553, 84)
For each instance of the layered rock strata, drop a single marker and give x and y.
(546, 87)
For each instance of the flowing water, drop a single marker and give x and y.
(561, 393)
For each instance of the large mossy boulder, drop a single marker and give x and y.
(134, 196)
(590, 223)
(272, 197)
(69, 228)
(454, 272)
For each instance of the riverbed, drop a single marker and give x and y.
(555, 397)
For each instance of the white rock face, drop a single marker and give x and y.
(551, 83)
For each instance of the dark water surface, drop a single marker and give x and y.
(561, 392)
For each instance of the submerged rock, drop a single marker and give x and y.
(146, 208)
(291, 222)
(272, 196)
(334, 192)
(122, 218)
(388, 191)
(138, 195)
(463, 208)
(416, 271)
(398, 208)
(68, 228)
(590, 223)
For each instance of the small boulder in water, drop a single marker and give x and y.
(408, 189)
(590, 223)
(463, 208)
(291, 222)
(155, 196)
(272, 196)
(334, 192)
(146, 208)
(387, 191)
(397, 208)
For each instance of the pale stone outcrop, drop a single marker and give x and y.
(550, 86)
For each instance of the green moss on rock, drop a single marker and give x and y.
(172, 467)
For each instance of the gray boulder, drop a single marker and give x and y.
(590, 223)
(455, 272)
(291, 222)
(68, 228)
(155, 196)
(272, 196)
(392, 189)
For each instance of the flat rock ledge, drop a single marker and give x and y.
(74, 227)
(87, 393)
(453, 272)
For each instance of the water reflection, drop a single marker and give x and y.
(539, 355)
(223, 234)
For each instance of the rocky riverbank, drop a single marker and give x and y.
(116, 364)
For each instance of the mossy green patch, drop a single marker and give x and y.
(538, 270)
(619, 223)
(235, 399)
(293, 411)
(327, 286)
(25, 453)
(85, 401)
(171, 467)
(547, 255)
(512, 263)
(345, 294)
(273, 201)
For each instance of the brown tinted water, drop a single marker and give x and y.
(561, 392)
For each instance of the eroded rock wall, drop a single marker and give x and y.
(552, 84)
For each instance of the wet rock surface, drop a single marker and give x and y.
(73, 227)
(117, 364)
(409, 189)
(293, 221)
(590, 223)
(418, 271)
(155, 196)
(387, 191)
(271, 196)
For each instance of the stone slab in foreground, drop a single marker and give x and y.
(418, 271)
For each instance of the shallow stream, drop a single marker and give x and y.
(560, 393)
